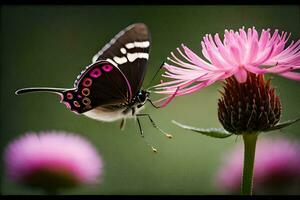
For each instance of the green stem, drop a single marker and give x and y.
(249, 156)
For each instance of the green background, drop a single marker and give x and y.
(50, 45)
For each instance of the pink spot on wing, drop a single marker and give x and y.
(86, 101)
(85, 91)
(67, 104)
(87, 82)
(107, 68)
(96, 73)
(69, 95)
(79, 96)
(76, 104)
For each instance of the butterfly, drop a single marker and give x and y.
(109, 89)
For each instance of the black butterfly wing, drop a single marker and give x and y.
(129, 50)
(100, 84)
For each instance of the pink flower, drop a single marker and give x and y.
(52, 159)
(240, 52)
(277, 166)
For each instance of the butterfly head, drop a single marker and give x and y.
(142, 97)
(76, 102)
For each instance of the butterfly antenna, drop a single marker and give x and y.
(156, 73)
(41, 89)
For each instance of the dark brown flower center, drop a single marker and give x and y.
(252, 106)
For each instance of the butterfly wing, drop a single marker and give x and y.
(100, 84)
(129, 50)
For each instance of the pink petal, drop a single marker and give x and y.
(235, 53)
(252, 51)
(291, 75)
(197, 60)
(241, 75)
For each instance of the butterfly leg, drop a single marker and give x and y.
(123, 123)
(143, 136)
(154, 125)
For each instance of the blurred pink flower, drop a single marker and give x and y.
(277, 167)
(240, 52)
(52, 159)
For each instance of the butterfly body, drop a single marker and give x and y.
(109, 113)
